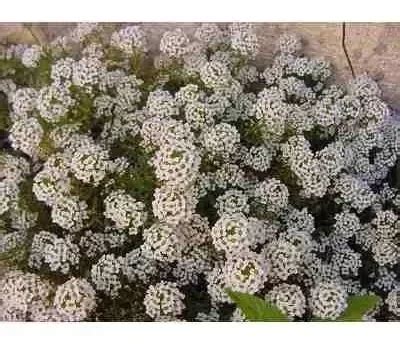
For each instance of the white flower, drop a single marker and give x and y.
(19, 293)
(129, 39)
(272, 111)
(125, 211)
(53, 102)
(232, 201)
(246, 272)
(75, 299)
(26, 135)
(69, 213)
(8, 195)
(243, 39)
(386, 252)
(174, 43)
(283, 259)
(164, 242)
(173, 206)
(105, 275)
(62, 69)
(58, 253)
(138, 266)
(355, 192)
(23, 102)
(209, 34)
(164, 301)
(198, 115)
(215, 74)
(289, 298)
(221, 140)
(328, 301)
(231, 233)
(161, 103)
(259, 158)
(177, 164)
(273, 194)
(347, 224)
(393, 301)
(289, 44)
(31, 56)
(87, 72)
(90, 163)
(82, 30)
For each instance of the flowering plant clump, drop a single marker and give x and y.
(137, 186)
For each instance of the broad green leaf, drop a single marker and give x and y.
(357, 306)
(256, 309)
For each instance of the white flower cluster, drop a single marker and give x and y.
(124, 211)
(246, 272)
(26, 135)
(27, 297)
(393, 301)
(20, 294)
(230, 233)
(69, 213)
(232, 201)
(174, 43)
(135, 186)
(164, 301)
(273, 194)
(289, 298)
(54, 101)
(89, 162)
(60, 254)
(243, 39)
(328, 301)
(105, 274)
(31, 56)
(129, 39)
(221, 140)
(177, 164)
(259, 157)
(283, 258)
(75, 299)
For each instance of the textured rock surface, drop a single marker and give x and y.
(375, 48)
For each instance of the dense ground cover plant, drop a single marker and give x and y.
(142, 187)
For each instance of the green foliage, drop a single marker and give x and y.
(4, 118)
(255, 308)
(81, 114)
(139, 180)
(358, 306)
(27, 77)
(13, 68)
(40, 76)
(252, 133)
(13, 257)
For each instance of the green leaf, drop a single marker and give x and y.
(357, 306)
(256, 309)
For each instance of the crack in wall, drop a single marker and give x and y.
(346, 53)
